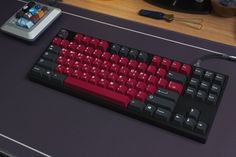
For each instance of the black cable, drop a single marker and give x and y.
(53, 2)
(198, 62)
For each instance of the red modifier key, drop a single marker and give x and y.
(177, 87)
(97, 91)
(103, 45)
(186, 69)
(156, 60)
(175, 66)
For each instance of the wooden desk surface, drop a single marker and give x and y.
(214, 28)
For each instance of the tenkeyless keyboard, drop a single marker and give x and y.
(162, 91)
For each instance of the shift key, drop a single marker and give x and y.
(165, 93)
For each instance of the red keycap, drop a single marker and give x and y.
(97, 63)
(80, 48)
(76, 74)
(142, 67)
(72, 54)
(105, 56)
(133, 74)
(103, 83)
(114, 58)
(112, 77)
(72, 46)
(141, 86)
(103, 74)
(131, 93)
(85, 40)
(56, 41)
(69, 62)
(162, 83)
(85, 77)
(186, 69)
(152, 80)
(175, 66)
(141, 96)
(161, 73)
(165, 64)
(103, 45)
(106, 65)
(114, 68)
(80, 57)
(61, 60)
(64, 43)
(121, 80)
(88, 60)
(151, 89)
(64, 52)
(94, 79)
(77, 65)
(94, 71)
(132, 64)
(177, 87)
(142, 77)
(122, 89)
(124, 71)
(78, 38)
(88, 51)
(60, 68)
(156, 60)
(123, 61)
(97, 91)
(86, 68)
(97, 53)
(68, 71)
(131, 83)
(94, 42)
(112, 86)
(151, 70)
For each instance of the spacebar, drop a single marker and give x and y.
(97, 91)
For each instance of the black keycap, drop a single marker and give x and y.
(46, 64)
(124, 51)
(25, 8)
(37, 72)
(215, 89)
(190, 92)
(165, 93)
(47, 75)
(142, 57)
(208, 76)
(20, 14)
(201, 95)
(194, 113)
(50, 56)
(177, 77)
(205, 86)
(133, 54)
(194, 83)
(212, 98)
(63, 34)
(163, 114)
(160, 102)
(136, 105)
(190, 123)
(201, 127)
(179, 119)
(115, 48)
(150, 109)
(31, 4)
(58, 79)
(54, 49)
(219, 79)
(198, 72)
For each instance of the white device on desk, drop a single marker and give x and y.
(31, 20)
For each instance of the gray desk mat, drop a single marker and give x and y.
(61, 125)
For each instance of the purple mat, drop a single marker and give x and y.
(56, 124)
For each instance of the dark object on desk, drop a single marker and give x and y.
(224, 8)
(168, 93)
(191, 22)
(189, 6)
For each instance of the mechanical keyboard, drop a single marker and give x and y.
(165, 92)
